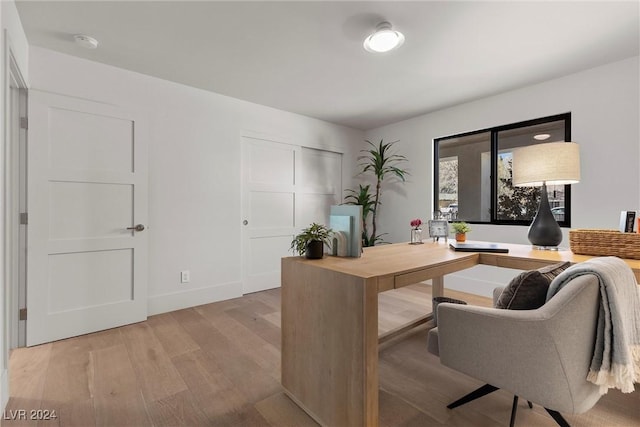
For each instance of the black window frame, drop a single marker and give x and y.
(566, 117)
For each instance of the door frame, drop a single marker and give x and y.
(14, 170)
(16, 134)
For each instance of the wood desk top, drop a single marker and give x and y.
(401, 258)
(393, 259)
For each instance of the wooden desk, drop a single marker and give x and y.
(330, 319)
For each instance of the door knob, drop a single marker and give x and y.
(138, 227)
(245, 222)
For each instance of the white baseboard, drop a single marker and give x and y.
(164, 303)
(479, 280)
(470, 286)
(4, 389)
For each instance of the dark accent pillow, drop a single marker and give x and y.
(552, 271)
(528, 290)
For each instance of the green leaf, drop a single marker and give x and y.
(380, 161)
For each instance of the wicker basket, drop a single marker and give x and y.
(605, 243)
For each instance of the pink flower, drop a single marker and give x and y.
(416, 223)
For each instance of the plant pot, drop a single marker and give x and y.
(461, 237)
(315, 249)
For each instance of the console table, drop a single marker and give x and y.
(330, 318)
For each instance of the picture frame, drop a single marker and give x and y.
(438, 228)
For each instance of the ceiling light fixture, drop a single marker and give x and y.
(86, 41)
(542, 136)
(383, 39)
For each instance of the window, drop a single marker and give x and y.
(473, 174)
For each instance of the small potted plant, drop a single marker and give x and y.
(461, 229)
(311, 241)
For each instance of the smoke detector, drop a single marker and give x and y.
(85, 41)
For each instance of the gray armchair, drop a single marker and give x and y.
(541, 355)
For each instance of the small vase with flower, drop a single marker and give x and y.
(416, 232)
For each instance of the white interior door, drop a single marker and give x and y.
(270, 174)
(87, 187)
(285, 188)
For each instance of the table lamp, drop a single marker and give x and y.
(553, 163)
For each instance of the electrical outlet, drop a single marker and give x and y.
(185, 276)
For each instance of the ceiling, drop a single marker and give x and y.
(307, 56)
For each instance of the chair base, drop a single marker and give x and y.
(488, 388)
(475, 394)
(557, 417)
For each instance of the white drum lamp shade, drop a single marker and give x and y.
(553, 163)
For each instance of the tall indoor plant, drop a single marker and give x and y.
(380, 161)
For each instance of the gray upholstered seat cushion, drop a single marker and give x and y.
(432, 341)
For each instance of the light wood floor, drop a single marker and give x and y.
(219, 365)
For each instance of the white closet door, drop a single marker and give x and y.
(321, 186)
(270, 174)
(285, 188)
(87, 192)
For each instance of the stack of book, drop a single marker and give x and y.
(628, 221)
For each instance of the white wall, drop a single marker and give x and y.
(13, 37)
(604, 103)
(194, 169)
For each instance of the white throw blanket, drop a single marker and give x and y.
(616, 356)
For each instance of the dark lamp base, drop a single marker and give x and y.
(544, 230)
